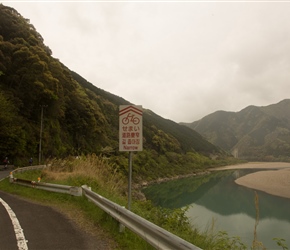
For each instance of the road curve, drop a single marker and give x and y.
(43, 227)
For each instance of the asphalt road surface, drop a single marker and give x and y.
(39, 227)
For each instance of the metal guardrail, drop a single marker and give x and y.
(29, 168)
(76, 191)
(72, 190)
(151, 233)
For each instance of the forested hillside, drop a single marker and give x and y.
(254, 133)
(78, 117)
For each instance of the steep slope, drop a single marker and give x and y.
(79, 118)
(254, 133)
(180, 138)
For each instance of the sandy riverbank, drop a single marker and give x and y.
(275, 182)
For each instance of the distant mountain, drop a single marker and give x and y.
(254, 133)
(78, 117)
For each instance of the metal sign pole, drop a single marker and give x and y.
(130, 136)
(130, 180)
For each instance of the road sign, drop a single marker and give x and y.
(130, 128)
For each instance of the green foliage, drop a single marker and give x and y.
(11, 130)
(30, 77)
(164, 142)
(223, 241)
(281, 243)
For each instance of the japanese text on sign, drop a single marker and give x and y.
(130, 128)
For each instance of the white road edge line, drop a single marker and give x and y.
(4, 178)
(21, 242)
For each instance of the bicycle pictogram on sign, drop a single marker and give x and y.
(130, 118)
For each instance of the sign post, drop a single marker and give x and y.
(130, 136)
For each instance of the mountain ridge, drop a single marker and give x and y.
(253, 133)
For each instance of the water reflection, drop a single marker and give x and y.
(217, 197)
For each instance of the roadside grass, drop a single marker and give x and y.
(106, 180)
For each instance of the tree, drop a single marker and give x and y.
(12, 136)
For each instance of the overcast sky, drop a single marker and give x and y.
(183, 60)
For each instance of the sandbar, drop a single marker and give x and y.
(275, 181)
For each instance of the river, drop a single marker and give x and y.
(216, 201)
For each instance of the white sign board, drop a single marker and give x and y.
(130, 128)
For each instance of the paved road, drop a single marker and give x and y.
(4, 173)
(43, 227)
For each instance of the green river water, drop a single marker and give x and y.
(215, 199)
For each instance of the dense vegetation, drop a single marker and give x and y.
(254, 133)
(78, 117)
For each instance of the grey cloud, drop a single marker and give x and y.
(181, 60)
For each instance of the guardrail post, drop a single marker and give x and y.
(76, 191)
(11, 177)
(121, 226)
(83, 191)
